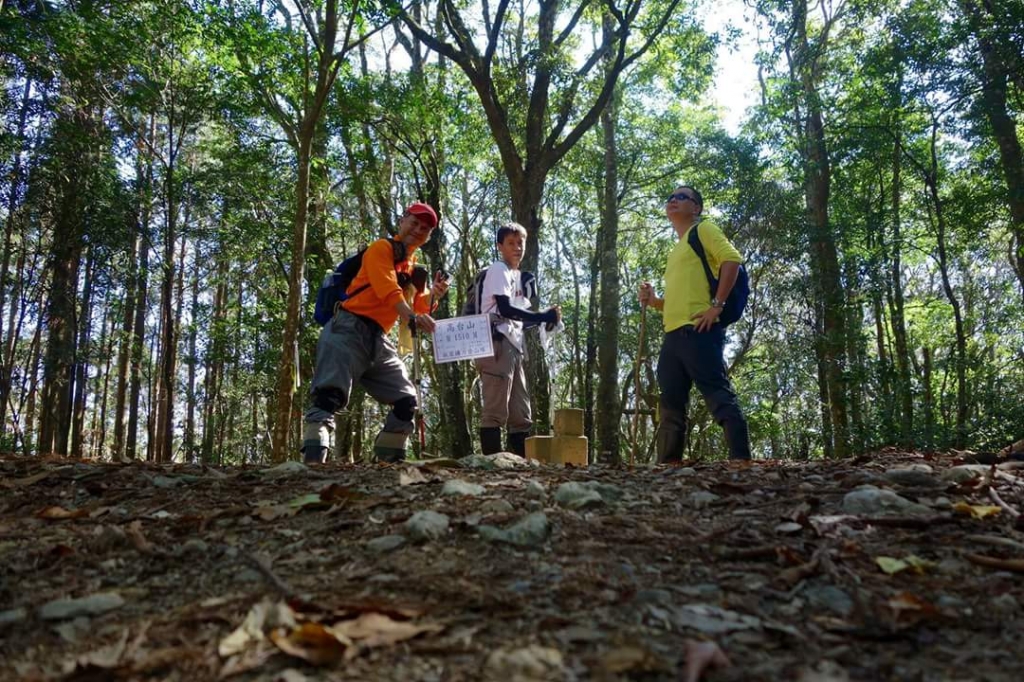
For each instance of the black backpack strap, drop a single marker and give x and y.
(694, 241)
(398, 251)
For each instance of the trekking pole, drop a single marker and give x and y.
(417, 379)
(636, 378)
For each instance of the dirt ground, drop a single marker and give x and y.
(894, 566)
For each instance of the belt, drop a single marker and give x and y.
(371, 323)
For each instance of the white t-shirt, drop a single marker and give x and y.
(501, 280)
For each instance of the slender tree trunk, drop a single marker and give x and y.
(827, 435)
(13, 201)
(82, 358)
(960, 428)
(608, 252)
(823, 253)
(99, 430)
(124, 345)
(896, 303)
(590, 365)
(29, 413)
(138, 347)
(929, 400)
(191, 449)
(141, 302)
(287, 371)
(526, 200)
(168, 349)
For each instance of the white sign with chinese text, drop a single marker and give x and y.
(463, 338)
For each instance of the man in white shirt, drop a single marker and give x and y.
(506, 402)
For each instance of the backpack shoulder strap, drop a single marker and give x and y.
(693, 239)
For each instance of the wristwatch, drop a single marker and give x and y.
(715, 303)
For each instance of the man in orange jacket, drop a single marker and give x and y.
(354, 345)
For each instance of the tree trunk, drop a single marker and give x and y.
(99, 429)
(590, 365)
(191, 449)
(929, 400)
(214, 365)
(608, 325)
(896, 303)
(64, 262)
(994, 75)
(526, 198)
(931, 179)
(287, 372)
(82, 358)
(823, 253)
(13, 200)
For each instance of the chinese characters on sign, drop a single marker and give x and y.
(463, 338)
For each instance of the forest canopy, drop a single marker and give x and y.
(178, 177)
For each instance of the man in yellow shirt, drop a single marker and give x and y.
(354, 345)
(692, 352)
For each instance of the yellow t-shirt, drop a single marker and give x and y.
(686, 287)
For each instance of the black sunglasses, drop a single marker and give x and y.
(680, 197)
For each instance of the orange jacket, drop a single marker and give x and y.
(378, 300)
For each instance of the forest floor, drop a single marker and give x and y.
(894, 566)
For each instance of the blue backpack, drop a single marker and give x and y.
(335, 284)
(736, 302)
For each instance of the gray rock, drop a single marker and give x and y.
(575, 495)
(457, 486)
(385, 543)
(248, 575)
(530, 531)
(701, 498)
(704, 591)
(166, 481)
(501, 460)
(535, 490)
(12, 616)
(829, 597)
(869, 500)
(653, 596)
(713, 620)
(427, 525)
(912, 477)
(93, 605)
(497, 507)
(1005, 605)
(195, 546)
(684, 471)
(964, 473)
(289, 468)
(534, 505)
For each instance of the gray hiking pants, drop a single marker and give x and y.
(503, 385)
(353, 348)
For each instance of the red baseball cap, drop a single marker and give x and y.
(424, 211)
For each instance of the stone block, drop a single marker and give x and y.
(569, 422)
(558, 449)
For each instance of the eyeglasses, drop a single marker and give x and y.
(680, 197)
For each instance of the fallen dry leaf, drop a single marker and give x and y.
(261, 616)
(59, 513)
(978, 511)
(411, 476)
(376, 629)
(892, 566)
(311, 642)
